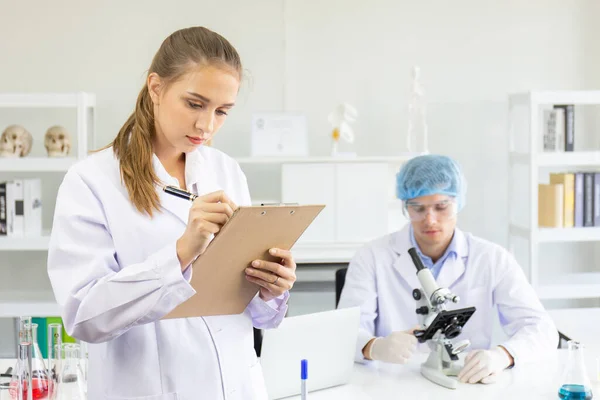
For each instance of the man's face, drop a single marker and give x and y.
(433, 218)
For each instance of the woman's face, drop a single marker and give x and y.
(189, 111)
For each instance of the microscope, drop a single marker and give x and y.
(440, 326)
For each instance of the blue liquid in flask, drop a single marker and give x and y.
(574, 392)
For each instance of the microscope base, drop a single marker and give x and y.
(441, 377)
(434, 370)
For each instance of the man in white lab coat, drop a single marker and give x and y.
(382, 276)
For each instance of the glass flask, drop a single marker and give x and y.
(5, 378)
(82, 369)
(416, 136)
(69, 387)
(575, 382)
(30, 377)
(54, 358)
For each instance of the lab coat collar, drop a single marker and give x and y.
(452, 270)
(400, 243)
(178, 207)
(193, 169)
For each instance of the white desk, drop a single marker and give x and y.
(534, 381)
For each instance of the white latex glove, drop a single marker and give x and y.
(484, 365)
(396, 348)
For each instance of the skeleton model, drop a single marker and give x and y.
(15, 141)
(340, 120)
(57, 141)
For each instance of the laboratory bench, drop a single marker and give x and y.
(540, 380)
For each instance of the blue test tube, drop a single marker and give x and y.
(303, 378)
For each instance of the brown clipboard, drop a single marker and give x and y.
(219, 276)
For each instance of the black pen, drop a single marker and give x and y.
(172, 190)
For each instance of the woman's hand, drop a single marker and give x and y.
(207, 215)
(273, 278)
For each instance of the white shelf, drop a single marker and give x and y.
(325, 252)
(556, 97)
(35, 304)
(24, 243)
(43, 100)
(548, 235)
(36, 164)
(37, 309)
(282, 160)
(560, 159)
(571, 286)
(526, 127)
(587, 234)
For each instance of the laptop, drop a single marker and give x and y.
(327, 340)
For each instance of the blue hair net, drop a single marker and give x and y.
(431, 174)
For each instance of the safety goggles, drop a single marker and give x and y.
(440, 211)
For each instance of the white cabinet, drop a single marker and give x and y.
(359, 203)
(359, 194)
(312, 184)
(362, 200)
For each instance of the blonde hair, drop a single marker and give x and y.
(133, 144)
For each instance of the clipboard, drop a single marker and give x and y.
(219, 276)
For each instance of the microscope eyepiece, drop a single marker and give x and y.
(416, 259)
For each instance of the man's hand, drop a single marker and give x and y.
(396, 348)
(485, 365)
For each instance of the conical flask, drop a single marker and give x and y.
(30, 371)
(69, 387)
(54, 358)
(39, 375)
(575, 382)
(20, 384)
(416, 136)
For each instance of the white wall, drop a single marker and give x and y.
(309, 55)
(472, 54)
(106, 47)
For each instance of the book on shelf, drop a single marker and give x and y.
(550, 205)
(579, 199)
(588, 199)
(32, 207)
(597, 199)
(21, 207)
(3, 211)
(569, 125)
(568, 182)
(14, 210)
(580, 205)
(553, 127)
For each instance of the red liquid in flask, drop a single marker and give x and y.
(39, 389)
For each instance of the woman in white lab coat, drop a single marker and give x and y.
(121, 248)
(382, 276)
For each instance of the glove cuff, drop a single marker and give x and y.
(370, 355)
(506, 358)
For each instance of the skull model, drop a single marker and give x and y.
(57, 141)
(15, 141)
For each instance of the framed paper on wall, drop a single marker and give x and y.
(279, 134)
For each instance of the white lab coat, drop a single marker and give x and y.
(115, 273)
(382, 276)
